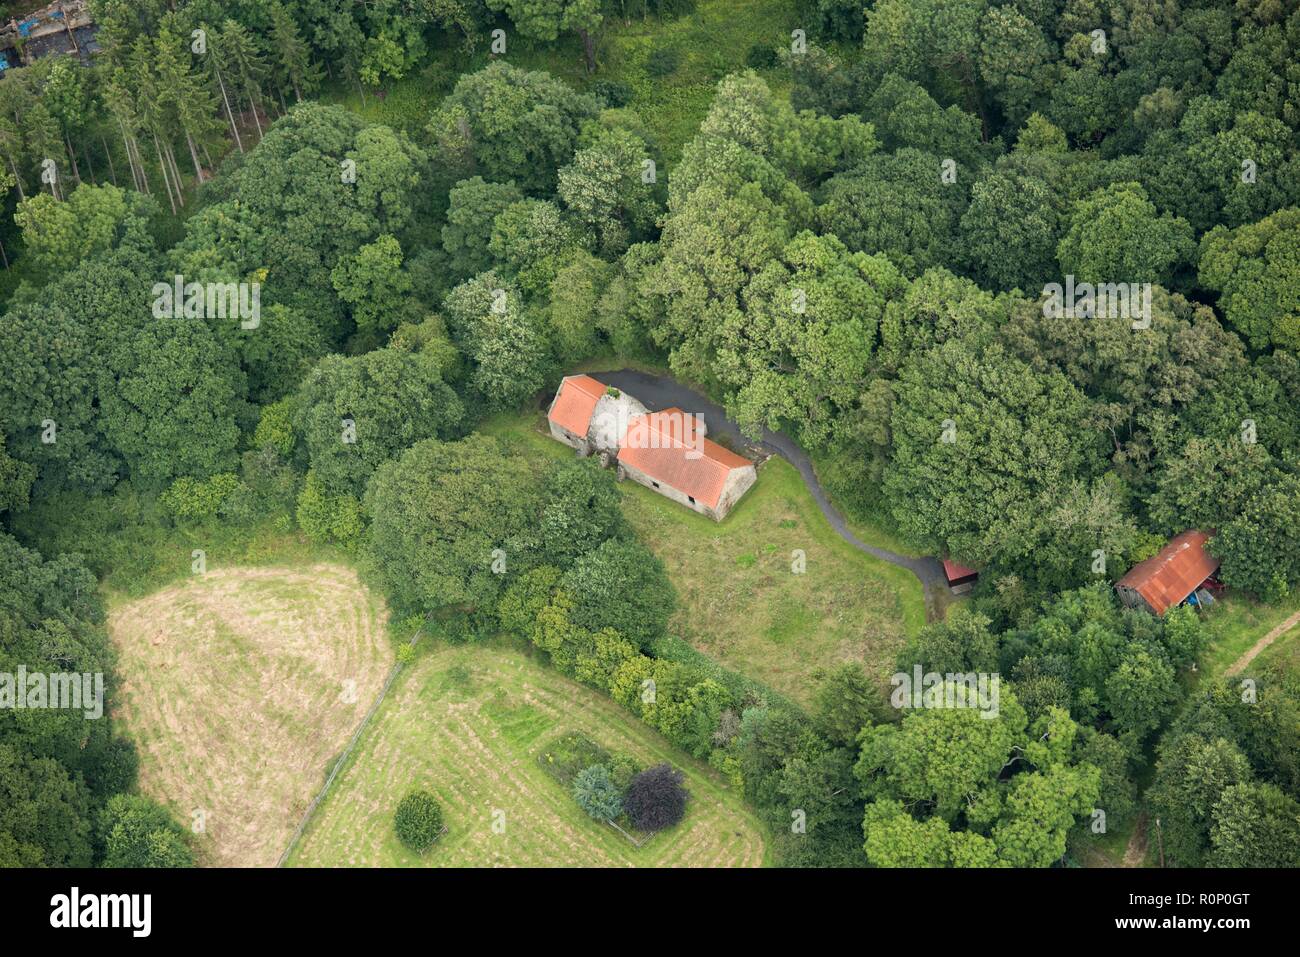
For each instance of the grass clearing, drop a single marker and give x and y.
(469, 723)
(1284, 651)
(1236, 622)
(239, 688)
(1118, 847)
(709, 43)
(740, 603)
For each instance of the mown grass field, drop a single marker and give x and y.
(709, 43)
(239, 687)
(468, 723)
(740, 601)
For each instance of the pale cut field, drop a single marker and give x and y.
(467, 723)
(239, 689)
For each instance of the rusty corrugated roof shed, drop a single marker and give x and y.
(1168, 577)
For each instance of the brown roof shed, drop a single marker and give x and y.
(1168, 577)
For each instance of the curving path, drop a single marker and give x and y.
(1263, 643)
(658, 392)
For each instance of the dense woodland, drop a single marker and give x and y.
(913, 172)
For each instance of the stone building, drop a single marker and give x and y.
(665, 451)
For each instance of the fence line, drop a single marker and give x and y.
(635, 842)
(347, 752)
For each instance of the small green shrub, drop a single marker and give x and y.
(328, 518)
(663, 61)
(418, 820)
(137, 832)
(622, 769)
(463, 628)
(761, 57)
(566, 757)
(190, 499)
(597, 794)
(613, 93)
(275, 427)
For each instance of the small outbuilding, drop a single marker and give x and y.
(1182, 571)
(960, 578)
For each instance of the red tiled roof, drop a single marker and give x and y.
(1168, 577)
(955, 571)
(575, 402)
(658, 445)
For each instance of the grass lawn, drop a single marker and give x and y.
(709, 43)
(1236, 622)
(239, 687)
(1284, 652)
(874, 532)
(469, 723)
(744, 606)
(741, 604)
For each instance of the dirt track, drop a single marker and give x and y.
(1263, 643)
